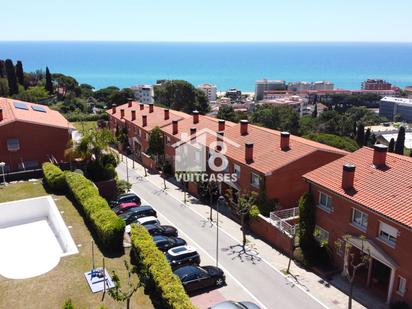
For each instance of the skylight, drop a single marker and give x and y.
(39, 108)
(20, 105)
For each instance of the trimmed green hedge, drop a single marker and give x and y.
(108, 227)
(156, 272)
(54, 177)
(341, 142)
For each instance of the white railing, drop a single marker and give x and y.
(279, 219)
(288, 214)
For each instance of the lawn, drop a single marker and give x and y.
(66, 280)
(84, 125)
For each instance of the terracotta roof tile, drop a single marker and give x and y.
(387, 191)
(48, 118)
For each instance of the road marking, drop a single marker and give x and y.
(238, 242)
(209, 256)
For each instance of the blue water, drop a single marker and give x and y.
(227, 65)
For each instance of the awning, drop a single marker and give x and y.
(375, 252)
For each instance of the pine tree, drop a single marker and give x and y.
(20, 73)
(367, 137)
(11, 77)
(2, 69)
(410, 153)
(49, 84)
(400, 141)
(360, 134)
(391, 147)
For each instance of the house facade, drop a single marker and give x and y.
(26, 132)
(364, 210)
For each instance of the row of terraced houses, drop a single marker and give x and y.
(366, 194)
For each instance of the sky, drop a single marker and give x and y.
(212, 20)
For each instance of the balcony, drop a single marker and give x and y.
(284, 220)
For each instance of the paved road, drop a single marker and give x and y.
(264, 285)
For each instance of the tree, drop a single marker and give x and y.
(4, 87)
(11, 77)
(367, 137)
(315, 110)
(226, 112)
(391, 147)
(307, 241)
(124, 295)
(360, 134)
(20, 73)
(2, 69)
(49, 83)
(341, 142)
(282, 117)
(400, 141)
(209, 192)
(355, 263)
(32, 94)
(156, 144)
(182, 96)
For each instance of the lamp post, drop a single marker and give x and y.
(127, 163)
(3, 164)
(220, 202)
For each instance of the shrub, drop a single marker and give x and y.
(155, 271)
(341, 142)
(68, 304)
(109, 228)
(54, 177)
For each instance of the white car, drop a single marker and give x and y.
(143, 221)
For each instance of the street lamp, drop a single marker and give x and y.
(127, 164)
(220, 202)
(3, 164)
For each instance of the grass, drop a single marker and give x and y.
(66, 280)
(84, 125)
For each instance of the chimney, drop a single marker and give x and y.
(284, 140)
(133, 115)
(243, 127)
(249, 152)
(379, 155)
(175, 129)
(166, 114)
(192, 131)
(348, 176)
(144, 120)
(151, 108)
(195, 117)
(1, 114)
(130, 102)
(122, 113)
(221, 126)
(113, 108)
(141, 106)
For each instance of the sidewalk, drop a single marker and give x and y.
(308, 281)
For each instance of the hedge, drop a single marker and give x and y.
(341, 142)
(109, 228)
(54, 177)
(155, 271)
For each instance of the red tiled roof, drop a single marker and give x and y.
(48, 118)
(387, 191)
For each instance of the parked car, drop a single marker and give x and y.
(125, 198)
(195, 277)
(182, 255)
(132, 214)
(230, 304)
(150, 220)
(165, 243)
(164, 230)
(121, 208)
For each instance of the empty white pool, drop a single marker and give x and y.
(33, 238)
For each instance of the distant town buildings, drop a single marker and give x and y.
(304, 86)
(209, 90)
(299, 103)
(376, 84)
(389, 107)
(143, 93)
(268, 85)
(233, 94)
(408, 91)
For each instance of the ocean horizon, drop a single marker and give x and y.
(227, 65)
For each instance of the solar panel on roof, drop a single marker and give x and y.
(21, 105)
(38, 108)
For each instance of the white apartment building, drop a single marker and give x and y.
(304, 86)
(209, 90)
(268, 85)
(143, 93)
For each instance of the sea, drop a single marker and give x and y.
(227, 65)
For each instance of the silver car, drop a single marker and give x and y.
(230, 304)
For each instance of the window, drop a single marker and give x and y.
(236, 170)
(359, 219)
(401, 285)
(340, 247)
(167, 140)
(325, 202)
(321, 234)
(13, 144)
(255, 180)
(147, 136)
(138, 132)
(388, 234)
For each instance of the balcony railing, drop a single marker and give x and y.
(279, 219)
